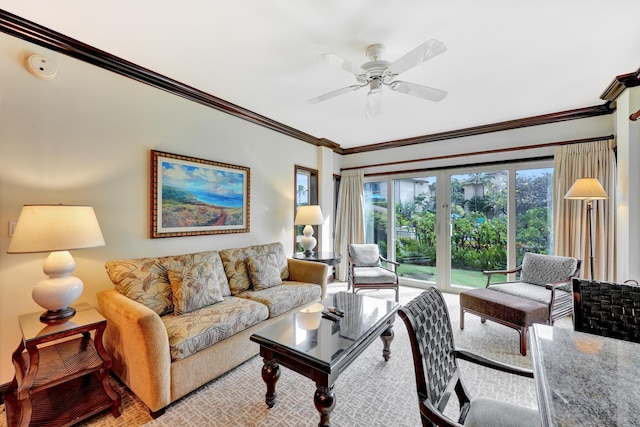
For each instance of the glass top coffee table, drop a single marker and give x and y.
(322, 353)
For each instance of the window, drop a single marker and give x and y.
(447, 226)
(306, 190)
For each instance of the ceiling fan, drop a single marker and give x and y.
(377, 72)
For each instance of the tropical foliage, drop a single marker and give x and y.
(479, 223)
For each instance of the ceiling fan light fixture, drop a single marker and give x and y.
(374, 101)
(377, 72)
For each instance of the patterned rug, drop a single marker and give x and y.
(370, 392)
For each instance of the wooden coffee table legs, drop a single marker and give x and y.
(270, 375)
(324, 399)
(387, 337)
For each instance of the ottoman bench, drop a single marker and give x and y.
(509, 310)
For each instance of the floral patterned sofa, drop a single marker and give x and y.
(177, 322)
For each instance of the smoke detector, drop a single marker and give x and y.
(41, 67)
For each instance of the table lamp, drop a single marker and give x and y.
(56, 229)
(308, 216)
(587, 189)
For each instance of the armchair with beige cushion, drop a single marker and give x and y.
(367, 272)
(542, 278)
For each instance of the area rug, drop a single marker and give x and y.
(371, 392)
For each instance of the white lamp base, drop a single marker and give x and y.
(308, 242)
(59, 290)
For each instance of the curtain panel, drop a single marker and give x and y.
(349, 218)
(570, 219)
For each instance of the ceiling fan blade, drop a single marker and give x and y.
(334, 94)
(420, 91)
(417, 56)
(347, 66)
(374, 100)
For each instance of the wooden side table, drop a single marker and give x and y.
(330, 258)
(62, 375)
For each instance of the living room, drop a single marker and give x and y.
(84, 138)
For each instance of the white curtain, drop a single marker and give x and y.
(350, 217)
(570, 219)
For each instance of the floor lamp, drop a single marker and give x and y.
(588, 189)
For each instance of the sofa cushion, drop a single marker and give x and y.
(199, 329)
(211, 258)
(235, 265)
(144, 280)
(194, 286)
(527, 290)
(264, 271)
(542, 269)
(369, 275)
(280, 299)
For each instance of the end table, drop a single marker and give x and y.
(60, 379)
(330, 258)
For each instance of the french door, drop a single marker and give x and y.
(445, 228)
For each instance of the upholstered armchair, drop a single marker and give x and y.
(542, 278)
(367, 272)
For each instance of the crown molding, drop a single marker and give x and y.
(619, 84)
(562, 116)
(34, 33)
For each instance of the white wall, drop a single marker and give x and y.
(84, 138)
(628, 191)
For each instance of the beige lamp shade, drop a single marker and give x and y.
(56, 229)
(48, 228)
(309, 215)
(586, 189)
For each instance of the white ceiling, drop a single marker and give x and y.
(506, 59)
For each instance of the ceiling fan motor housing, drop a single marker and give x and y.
(375, 69)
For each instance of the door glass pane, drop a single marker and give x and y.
(376, 215)
(478, 212)
(534, 202)
(415, 220)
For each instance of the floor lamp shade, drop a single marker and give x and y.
(588, 189)
(56, 229)
(309, 216)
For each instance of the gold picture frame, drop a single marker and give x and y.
(194, 197)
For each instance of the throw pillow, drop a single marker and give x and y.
(264, 271)
(212, 258)
(143, 280)
(278, 250)
(194, 286)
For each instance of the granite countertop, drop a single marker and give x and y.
(584, 379)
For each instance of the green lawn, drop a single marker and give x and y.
(473, 279)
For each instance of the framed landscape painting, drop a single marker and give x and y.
(192, 197)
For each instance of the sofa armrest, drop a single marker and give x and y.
(138, 343)
(309, 272)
